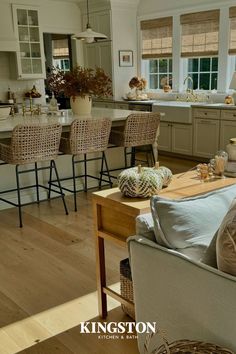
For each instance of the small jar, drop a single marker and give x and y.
(231, 149)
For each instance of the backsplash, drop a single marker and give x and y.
(19, 87)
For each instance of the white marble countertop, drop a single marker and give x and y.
(193, 104)
(116, 115)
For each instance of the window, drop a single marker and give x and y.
(159, 73)
(200, 34)
(204, 72)
(232, 43)
(157, 38)
(62, 64)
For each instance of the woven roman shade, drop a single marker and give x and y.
(200, 33)
(157, 38)
(232, 43)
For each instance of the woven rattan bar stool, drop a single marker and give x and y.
(139, 130)
(31, 144)
(85, 137)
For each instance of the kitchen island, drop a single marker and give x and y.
(115, 156)
(65, 118)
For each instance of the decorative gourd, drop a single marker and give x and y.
(139, 182)
(165, 173)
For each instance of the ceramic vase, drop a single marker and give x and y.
(81, 105)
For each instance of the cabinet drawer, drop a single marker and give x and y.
(122, 105)
(206, 113)
(228, 114)
(103, 104)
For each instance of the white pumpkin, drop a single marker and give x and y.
(140, 182)
(165, 173)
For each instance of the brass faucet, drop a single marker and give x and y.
(189, 78)
(32, 109)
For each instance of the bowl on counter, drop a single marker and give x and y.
(4, 112)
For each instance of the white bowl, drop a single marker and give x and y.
(4, 112)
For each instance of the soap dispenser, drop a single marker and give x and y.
(53, 103)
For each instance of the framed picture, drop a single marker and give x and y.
(125, 57)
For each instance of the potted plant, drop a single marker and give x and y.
(80, 84)
(139, 84)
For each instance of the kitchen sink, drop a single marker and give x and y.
(178, 112)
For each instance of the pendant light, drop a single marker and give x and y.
(89, 35)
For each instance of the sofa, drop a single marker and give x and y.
(175, 277)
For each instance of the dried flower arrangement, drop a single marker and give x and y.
(80, 82)
(138, 82)
(33, 93)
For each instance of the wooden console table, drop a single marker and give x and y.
(114, 217)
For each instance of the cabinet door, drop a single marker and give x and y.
(182, 139)
(164, 138)
(104, 57)
(30, 59)
(103, 23)
(206, 137)
(91, 57)
(227, 131)
(99, 55)
(99, 21)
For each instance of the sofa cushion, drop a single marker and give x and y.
(226, 242)
(145, 226)
(191, 221)
(209, 255)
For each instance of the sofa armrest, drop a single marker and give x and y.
(187, 299)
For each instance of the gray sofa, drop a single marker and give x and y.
(187, 298)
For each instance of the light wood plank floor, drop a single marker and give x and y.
(48, 279)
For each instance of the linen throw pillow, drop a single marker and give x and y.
(191, 221)
(226, 242)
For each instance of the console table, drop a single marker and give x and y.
(114, 220)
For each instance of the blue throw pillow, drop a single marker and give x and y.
(191, 221)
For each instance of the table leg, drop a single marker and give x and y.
(101, 278)
(100, 264)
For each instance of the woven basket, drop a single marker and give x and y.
(184, 346)
(126, 286)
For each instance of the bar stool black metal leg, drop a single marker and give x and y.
(74, 182)
(85, 174)
(37, 180)
(18, 195)
(153, 155)
(101, 171)
(125, 154)
(50, 180)
(132, 162)
(107, 169)
(59, 185)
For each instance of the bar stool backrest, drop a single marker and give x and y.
(89, 135)
(141, 129)
(35, 142)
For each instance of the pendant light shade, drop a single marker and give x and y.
(89, 35)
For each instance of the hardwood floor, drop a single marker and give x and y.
(48, 279)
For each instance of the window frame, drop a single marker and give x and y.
(199, 72)
(147, 73)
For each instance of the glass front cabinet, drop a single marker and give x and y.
(30, 57)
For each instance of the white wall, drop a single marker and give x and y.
(124, 37)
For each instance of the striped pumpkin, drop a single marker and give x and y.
(143, 182)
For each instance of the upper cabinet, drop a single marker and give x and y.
(30, 58)
(100, 22)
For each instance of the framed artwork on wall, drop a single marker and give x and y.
(126, 58)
